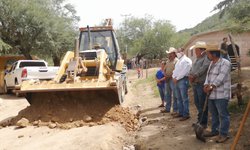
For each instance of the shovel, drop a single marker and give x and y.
(198, 128)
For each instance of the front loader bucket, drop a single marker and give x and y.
(70, 96)
(70, 105)
(78, 91)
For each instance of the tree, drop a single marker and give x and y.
(59, 37)
(4, 48)
(18, 27)
(163, 33)
(239, 12)
(146, 37)
(38, 27)
(63, 31)
(131, 32)
(224, 6)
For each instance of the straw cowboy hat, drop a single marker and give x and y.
(199, 44)
(171, 50)
(214, 47)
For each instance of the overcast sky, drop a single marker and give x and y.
(181, 13)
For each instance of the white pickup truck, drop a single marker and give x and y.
(26, 70)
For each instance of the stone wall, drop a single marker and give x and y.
(242, 40)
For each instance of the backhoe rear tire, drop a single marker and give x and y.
(126, 88)
(122, 93)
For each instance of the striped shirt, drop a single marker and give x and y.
(219, 75)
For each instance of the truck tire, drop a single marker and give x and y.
(123, 93)
(16, 93)
(6, 90)
(16, 82)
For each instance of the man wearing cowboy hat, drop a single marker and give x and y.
(180, 79)
(170, 87)
(197, 77)
(218, 84)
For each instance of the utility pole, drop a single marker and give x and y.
(124, 35)
(125, 30)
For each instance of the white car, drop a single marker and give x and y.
(26, 70)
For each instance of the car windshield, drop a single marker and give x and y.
(99, 40)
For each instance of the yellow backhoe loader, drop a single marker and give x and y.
(95, 68)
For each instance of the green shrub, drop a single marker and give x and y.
(233, 107)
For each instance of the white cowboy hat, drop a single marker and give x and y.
(199, 44)
(171, 50)
(214, 47)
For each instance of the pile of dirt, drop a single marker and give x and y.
(75, 109)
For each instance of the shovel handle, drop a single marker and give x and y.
(236, 139)
(205, 104)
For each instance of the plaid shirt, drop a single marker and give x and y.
(219, 75)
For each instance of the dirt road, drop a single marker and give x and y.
(108, 136)
(157, 132)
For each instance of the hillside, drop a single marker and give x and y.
(211, 23)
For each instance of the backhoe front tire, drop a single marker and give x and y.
(126, 88)
(122, 93)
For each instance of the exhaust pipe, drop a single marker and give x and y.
(76, 55)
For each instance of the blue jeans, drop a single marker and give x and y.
(220, 116)
(182, 96)
(199, 101)
(162, 92)
(170, 91)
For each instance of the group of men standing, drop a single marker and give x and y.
(209, 76)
